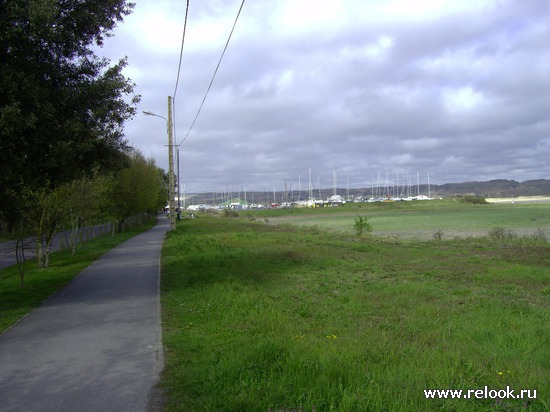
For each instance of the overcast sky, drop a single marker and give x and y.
(456, 89)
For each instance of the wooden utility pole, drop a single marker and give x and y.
(171, 179)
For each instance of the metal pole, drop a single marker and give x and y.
(171, 182)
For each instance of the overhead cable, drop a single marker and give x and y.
(214, 75)
(181, 51)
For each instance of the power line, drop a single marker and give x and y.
(181, 51)
(215, 72)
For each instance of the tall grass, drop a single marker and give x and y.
(273, 318)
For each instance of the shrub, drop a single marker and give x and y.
(361, 225)
(501, 235)
(230, 213)
(473, 200)
(438, 235)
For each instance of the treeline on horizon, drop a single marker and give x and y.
(497, 188)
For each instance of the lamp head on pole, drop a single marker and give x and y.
(149, 113)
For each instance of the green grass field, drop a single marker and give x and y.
(265, 317)
(419, 220)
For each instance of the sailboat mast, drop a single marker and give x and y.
(378, 185)
(309, 187)
(333, 180)
(397, 184)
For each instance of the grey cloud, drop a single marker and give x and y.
(463, 96)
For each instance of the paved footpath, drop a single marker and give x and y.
(95, 345)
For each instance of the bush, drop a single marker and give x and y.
(473, 200)
(501, 235)
(438, 235)
(230, 213)
(361, 225)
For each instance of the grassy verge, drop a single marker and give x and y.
(40, 283)
(260, 317)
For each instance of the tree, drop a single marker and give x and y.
(62, 109)
(20, 231)
(138, 189)
(85, 201)
(48, 211)
(361, 225)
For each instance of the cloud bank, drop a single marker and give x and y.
(458, 90)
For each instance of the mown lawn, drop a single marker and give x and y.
(263, 317)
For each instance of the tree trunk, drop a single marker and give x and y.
(20, 257)
(43, 245)
(74, 233)
(40, 241)
(43, 251)
(120, 225)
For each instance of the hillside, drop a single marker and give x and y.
(495, 188)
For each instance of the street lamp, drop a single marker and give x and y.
(171, 186)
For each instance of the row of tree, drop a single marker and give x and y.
(137, 189)
(64, 159)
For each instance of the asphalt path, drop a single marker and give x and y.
(96, 345)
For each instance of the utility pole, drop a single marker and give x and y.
(171, 178)
(171, 183)
(179, 177)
